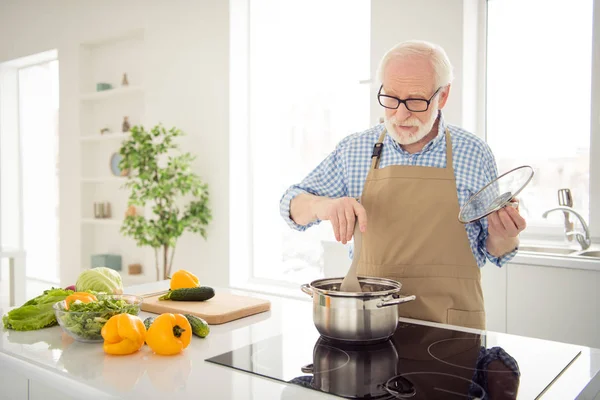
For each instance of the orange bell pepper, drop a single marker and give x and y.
(123, 334)
(183, 279)
(84, 297)
(169, 334)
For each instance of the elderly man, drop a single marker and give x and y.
(403, 182)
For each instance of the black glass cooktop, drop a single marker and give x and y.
(418, 362)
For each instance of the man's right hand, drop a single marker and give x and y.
(342, 213)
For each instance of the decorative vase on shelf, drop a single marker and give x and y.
(125, 81)
(126, 125)
(100, 86)
(134, 269)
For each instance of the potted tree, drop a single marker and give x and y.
(164, 181)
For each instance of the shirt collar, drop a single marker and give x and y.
(439, 138)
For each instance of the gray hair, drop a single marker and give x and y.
(435, 53)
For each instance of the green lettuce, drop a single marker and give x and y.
(37, 313)
(87, 319)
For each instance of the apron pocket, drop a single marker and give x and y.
(467, 319)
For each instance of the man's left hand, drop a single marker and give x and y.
(504, 227)
(506, 223)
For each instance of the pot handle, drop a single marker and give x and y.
(306, 289)
(399, 300)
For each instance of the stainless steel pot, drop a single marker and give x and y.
(350, 371)
(361, 318)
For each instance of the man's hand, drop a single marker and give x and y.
(342, 213)
(504, 227)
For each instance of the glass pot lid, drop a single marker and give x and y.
(496, 194)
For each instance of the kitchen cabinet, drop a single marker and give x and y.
(559, 304)
(14, 386)
(493, 284)
(40, 391)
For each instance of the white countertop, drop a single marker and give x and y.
(572, 261)
(87, 372)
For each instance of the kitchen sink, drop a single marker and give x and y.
(557, 251)
(548, 250)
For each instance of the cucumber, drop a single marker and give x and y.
(199, 326)
(201, 293)
(148, 321)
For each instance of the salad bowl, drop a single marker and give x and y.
(84, 321)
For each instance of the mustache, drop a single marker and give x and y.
(407, 122)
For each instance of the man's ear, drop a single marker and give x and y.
(444, 93)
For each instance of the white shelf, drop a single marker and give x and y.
(107, 179)
(137, 34)
(101, 221)
(105, 94)
(106, 137)
(106, 60)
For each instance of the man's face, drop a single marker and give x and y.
(410, 78)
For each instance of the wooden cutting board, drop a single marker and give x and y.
(222, 308)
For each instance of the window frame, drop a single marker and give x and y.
(547, 232)
(10, 82)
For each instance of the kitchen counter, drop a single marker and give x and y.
(52, 365)
(558, 254)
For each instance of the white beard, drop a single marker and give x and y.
(406, 138)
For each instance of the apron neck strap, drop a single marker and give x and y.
(449, 153)
(378, 148)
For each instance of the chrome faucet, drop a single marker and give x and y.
(584, 239)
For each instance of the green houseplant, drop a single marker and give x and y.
(164, 180)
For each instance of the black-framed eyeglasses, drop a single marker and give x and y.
(414, 105)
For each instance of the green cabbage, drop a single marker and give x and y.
(100, 279)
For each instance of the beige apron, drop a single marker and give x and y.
(413, 236)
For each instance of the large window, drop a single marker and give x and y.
(29, 107)
(38, 127)
(305, 66)
(539, 74)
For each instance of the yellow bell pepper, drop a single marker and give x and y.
(84, 297)
(183, 279)
(123, 334)
(169, 334)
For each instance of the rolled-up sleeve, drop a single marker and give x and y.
(490, 171)
(327, 179)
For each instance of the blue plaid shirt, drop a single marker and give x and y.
(343, 172)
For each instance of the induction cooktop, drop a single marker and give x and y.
(418, 362)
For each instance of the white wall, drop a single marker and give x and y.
(187, 86)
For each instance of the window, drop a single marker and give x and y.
(539, 75)
(29, 105)
(38, 127)
(304, 67)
